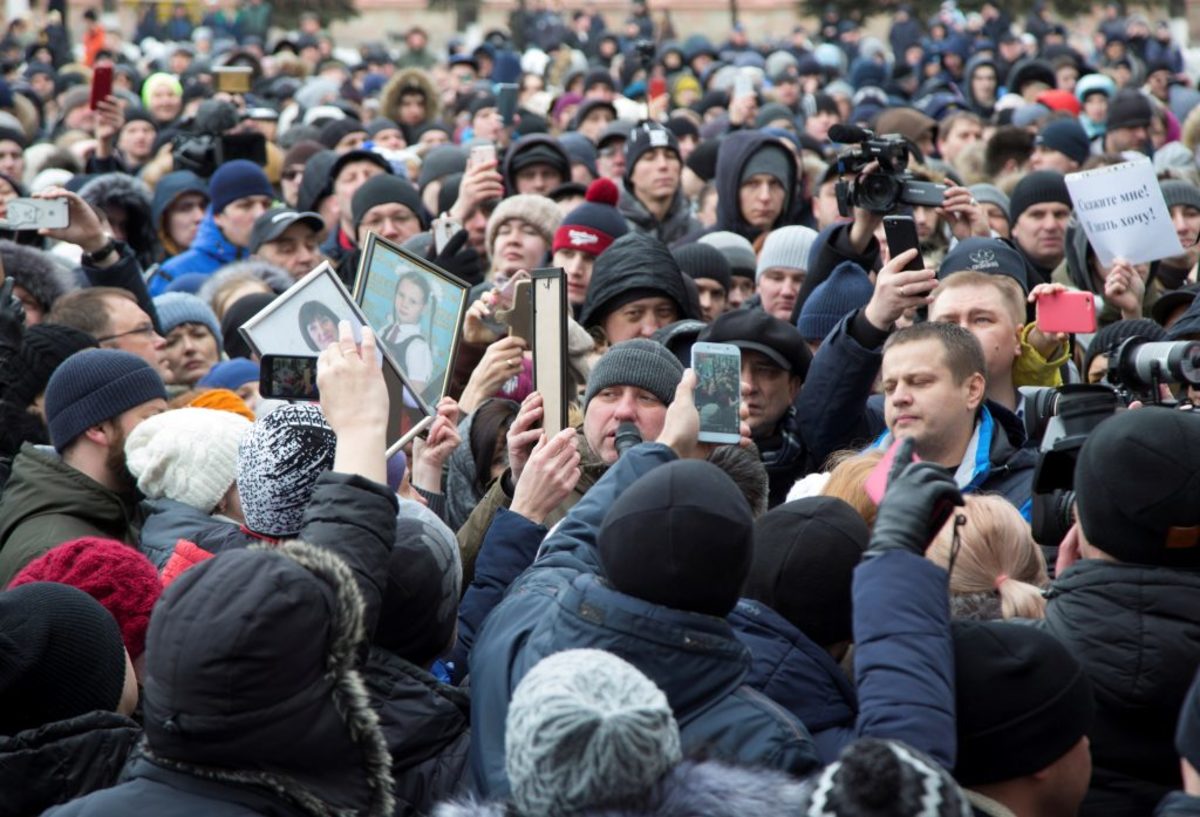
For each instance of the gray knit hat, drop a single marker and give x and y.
(638, 362)
(279, 462)
(990, 194)
(586, 730)
(787, 247)
(738, 251)
(1178, 192)
(538, 211)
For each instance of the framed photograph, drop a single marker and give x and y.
(550, 312)
(304, 320)
(417, 311)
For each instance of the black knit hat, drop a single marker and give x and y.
(881, 778)
(1022, 700)
(805, 553)
(682, 536)
(1151, 515)
(338, 129)
(96, 385)
(635, 266)
(757, 331)
(538, 152)
(647, 136)
(43, 347)
(1129, 109)
(704, 261)
(386, 189)
(1039, 187)
(61, 656)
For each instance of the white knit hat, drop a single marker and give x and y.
(787, 247)
(188, 455)
(586, 729)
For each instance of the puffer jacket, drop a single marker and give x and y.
(560, 603)
(427, 726)
(57, 762)
(168, 521)
(210, 251)
(1136, 631)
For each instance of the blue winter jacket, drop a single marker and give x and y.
(561, 603)
(210, 251)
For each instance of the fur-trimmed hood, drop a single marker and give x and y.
(709, 788)
(133, 196)
(36, 272)
(251, 681)
(409, 78)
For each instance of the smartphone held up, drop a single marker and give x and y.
(718, 368)
(289, 377)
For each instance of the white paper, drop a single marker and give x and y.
(1122, 210)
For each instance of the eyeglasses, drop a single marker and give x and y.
(144, 329)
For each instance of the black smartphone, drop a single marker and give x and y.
(289, 377)
(901, 232)
(506, 101)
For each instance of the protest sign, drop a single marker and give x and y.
(1122, 210)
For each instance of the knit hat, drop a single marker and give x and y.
(1022, 700)
(278, 464)
(237, 180)
(1187, 736)
(231, 374)
(638, 362)
(990, 194)
(386, 189)
(338, 129)
(1057, 100)
(442, 161)
(772, 159)
(757, 331)
(188, 455)
(301, 152)
(236, 314)
(581, 150)
(222, 400)
(682, 536)
(96, 385)
(846, 289)
(787, 247)
(1151, 516)
(883, 778)
(704, 261)
(541, 151)
(635, 266)
(647, 136)
(594, 225)
(1112, 335)
(43, 347)
(1039, 187)
(586, 730)
(805, 553)
(61, 656)
(1129, 109)
(994, 256)
(1177, 192)
(1066, 136)
(1095, 84)
(113, 573)
(737, 249)
(537, 211)
(176, 308)
(379, 124)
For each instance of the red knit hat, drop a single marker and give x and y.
(1060, 101)
(594, 225)
(114, 574)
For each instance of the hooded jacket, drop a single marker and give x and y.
(561, 603)
(60, 761)
(209, 252)
(976, 62)
(389, 99)
(528, 143)
(47, 502)
(736, 150)
(232, 728)
(36, 272)
(634, 262)
(131, 195)
(168, 190)
(678, 223)
(1136, 631)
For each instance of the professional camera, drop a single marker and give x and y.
(891, 185)
(211, 142)
(1139, 368)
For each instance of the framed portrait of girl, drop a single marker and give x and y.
(416, 308)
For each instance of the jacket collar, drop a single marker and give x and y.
(210, 240)
(988, 444)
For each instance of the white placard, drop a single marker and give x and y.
(1122, 210)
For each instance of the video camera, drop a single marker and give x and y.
(209, 143)
(884, 190)
(1064, 417)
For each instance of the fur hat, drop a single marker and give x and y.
(537, 211)
(36, 272)
(113, 573)
(188, 455)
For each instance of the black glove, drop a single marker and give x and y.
(457, 258)
(919, 499)
(12, 319)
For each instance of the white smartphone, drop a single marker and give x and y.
(743, 85)
(481, 154)
(718, 368)
(34, 214)
(444, 229)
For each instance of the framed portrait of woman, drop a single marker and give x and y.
(304, 321)
(416, 308)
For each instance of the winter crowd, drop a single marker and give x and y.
(906, 591)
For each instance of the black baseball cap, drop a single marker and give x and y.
(274, 223)
(756, 331)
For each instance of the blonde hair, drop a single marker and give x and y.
(1009, 289)
(848, 472)
(997, 559)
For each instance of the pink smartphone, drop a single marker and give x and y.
(1066, 312)
(877, 482)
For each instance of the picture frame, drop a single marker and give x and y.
(549, 346)
(416, 309)
(303, 321)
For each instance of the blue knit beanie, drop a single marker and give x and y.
(230, 374)
(237, 180)
(846, 289)
(175, 308)
(97, 385)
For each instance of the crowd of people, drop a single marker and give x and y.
(951, 566)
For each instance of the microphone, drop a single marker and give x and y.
(627, 437)
(848, 134)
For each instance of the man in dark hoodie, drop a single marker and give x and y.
(636, 289)
(536, 164)
(180, 199)
(756, 183)
(652, 199)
